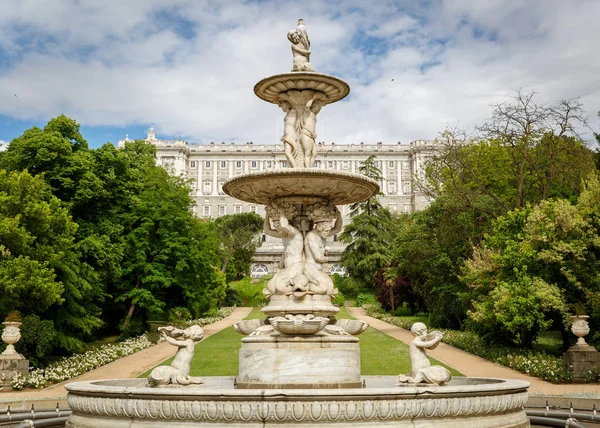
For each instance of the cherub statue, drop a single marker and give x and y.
(300, 48)
(178, 373)
(421, 369)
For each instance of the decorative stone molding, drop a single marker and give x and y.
(494, 404)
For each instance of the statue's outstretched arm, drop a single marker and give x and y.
(338, 223)
(314, 248)
(267, 228)
(285, 225)
(175, 342)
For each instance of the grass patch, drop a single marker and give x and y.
(380, 354)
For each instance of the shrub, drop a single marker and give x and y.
(13, 316)
(232, 297)
(339, 299)
(179, 314)
(366, 299)
(38, 340)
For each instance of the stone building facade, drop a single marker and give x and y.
(209, 166)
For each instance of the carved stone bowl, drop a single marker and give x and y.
(269, 88)
(299, 326)
(247, 326)
(302, 184)
(353, 327)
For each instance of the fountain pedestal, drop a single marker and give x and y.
(310, 362)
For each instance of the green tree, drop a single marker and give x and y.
(240, 236)
(368, 234)
(551, 250)
(39, 271)
(165, 264)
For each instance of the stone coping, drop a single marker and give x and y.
(222, 387)
(269, 88)
(303, 184)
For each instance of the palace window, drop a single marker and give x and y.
(206, 210)
(346, 164)
(284, 164)
(329, 164)
(339, 269)
(238, 164)
(393, 207)
(253, 208)
(222, 210)
(406, 189)
(193, 164)
(405, 164)
(391, 164)
(207, 164)
(223, 164)
(259, 270)
(168, 160)
(237, 209)
(253, 164)
(206, 189)
(269, 164)
(391, 187)
(221, 192)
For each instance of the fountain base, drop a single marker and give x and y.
(315, 361)
(464, 402)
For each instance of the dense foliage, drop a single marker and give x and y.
(509, 244)
(97, 241)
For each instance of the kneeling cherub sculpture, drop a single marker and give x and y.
(421, 369)
(178, 373)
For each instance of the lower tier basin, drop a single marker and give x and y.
(464, 402)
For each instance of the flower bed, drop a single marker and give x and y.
(78, 364)
(534, 363)
(222, 313)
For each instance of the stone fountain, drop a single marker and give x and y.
(300, 366)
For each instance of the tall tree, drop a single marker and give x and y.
(369, 232)
(240, 236)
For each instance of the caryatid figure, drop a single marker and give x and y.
(308, 129)
(290, 126)
(327, 221)
(290, 276)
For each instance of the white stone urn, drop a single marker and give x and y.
(11, 335)
(580, 328)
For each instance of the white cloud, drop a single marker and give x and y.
(3, 145)
(128, 63)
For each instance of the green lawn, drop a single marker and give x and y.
(380, 354)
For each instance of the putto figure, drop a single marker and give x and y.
(421, 369)
(178, 373)
(300, 48)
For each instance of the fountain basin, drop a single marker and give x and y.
(464, 402)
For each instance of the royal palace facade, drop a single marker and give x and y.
(209, 166)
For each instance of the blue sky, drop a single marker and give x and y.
(188, 67)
